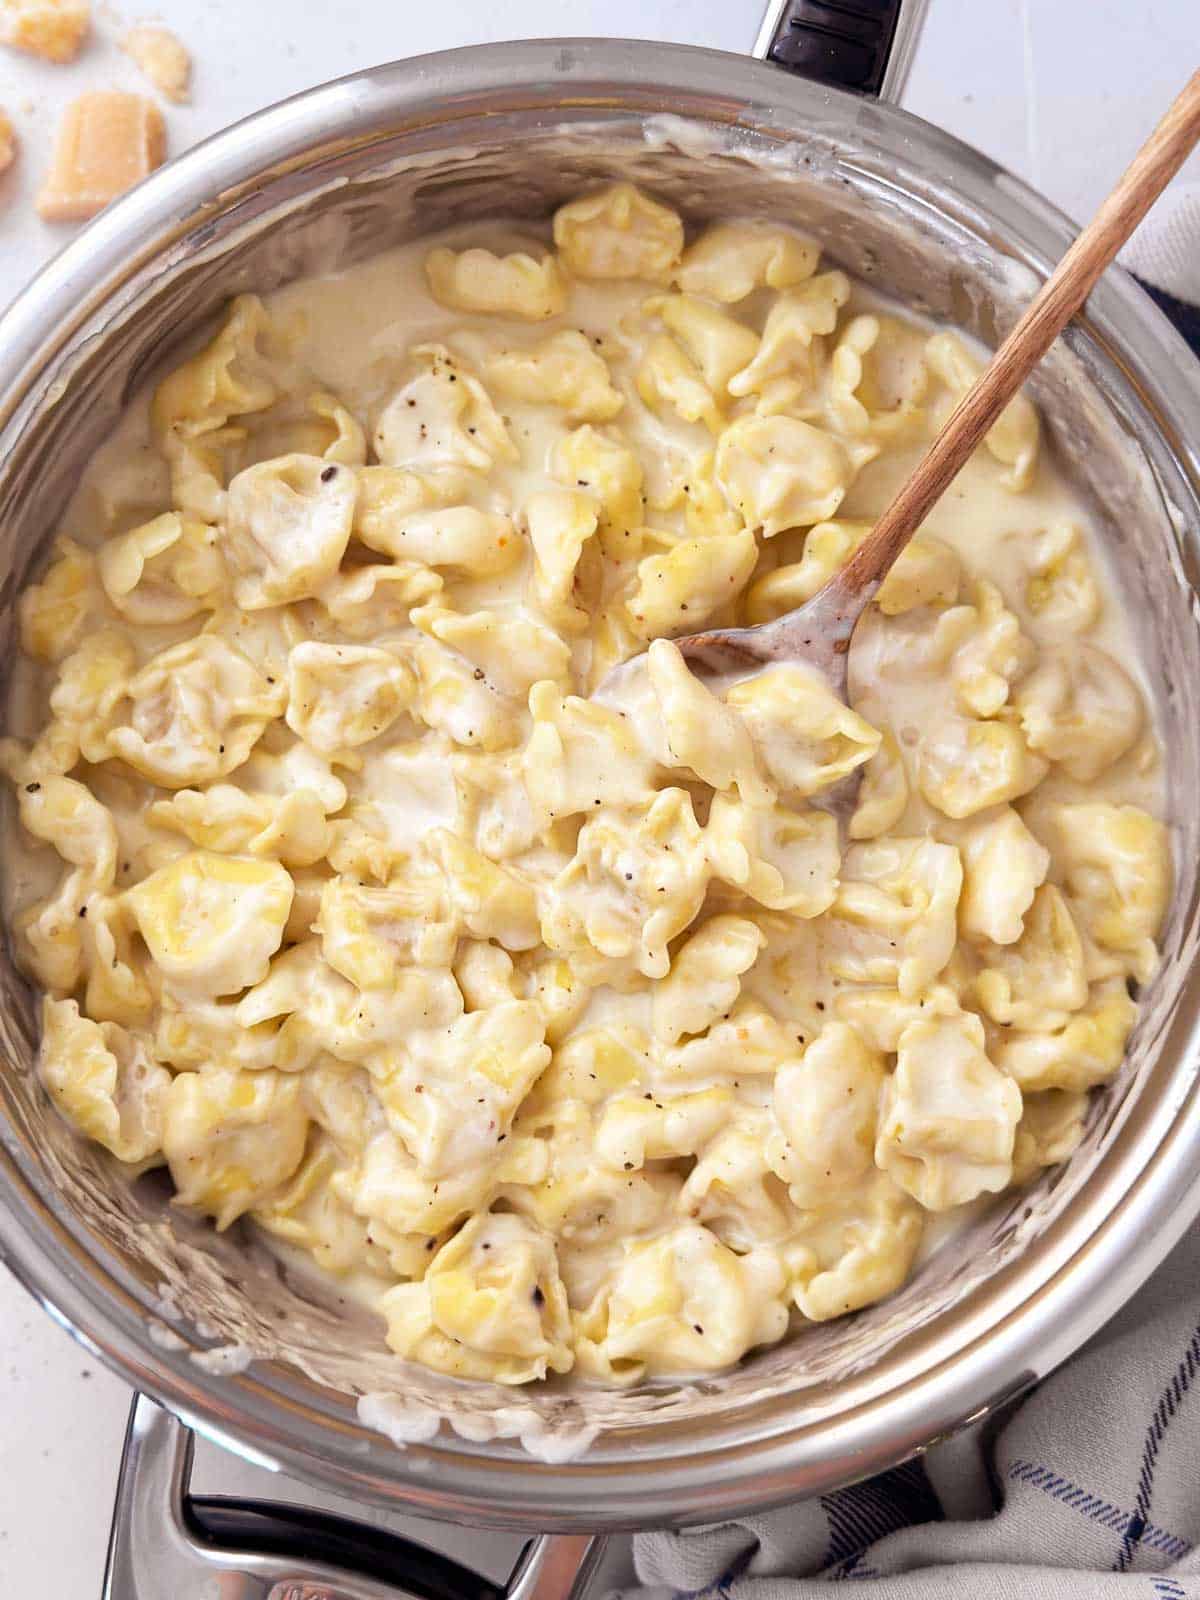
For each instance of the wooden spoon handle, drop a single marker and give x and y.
(1059, 299)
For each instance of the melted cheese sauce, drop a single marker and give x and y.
(397, 983)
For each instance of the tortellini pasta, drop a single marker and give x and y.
(212, 922)
(785, 365)
(292, 828)
(1061, 590)
(515, 285)
(441, 420)
(787, 860)
(164, 571)
(1003, 868)
(854, 1254)
(947, 1116)
(1084, 1052)
(344, 695)
(610, 472)
(1013, 439)
(511, 652)
(401, 516)
(827, 1107)
(287, 528)
(717, 344)
(668, 380)
(581, 755)
(191, 715)
(368, 934)
(732, 1189)
(994, 655)
(1050, 1129)
(636, 880)
(681, 1302)
(699, 732)
(862, 380)
(368, 599)
(927, 573)
(883, 793)
(1079, 708)
(968, 764)
(1038, 980)
(105, 1081)
(731, 260)
(198, 411)
(54, 613)
(634, 1130)
(619, 233)
(564, 371)
(1116, 868)
(779, 472)
(895, 912)
(454, 698)
(231, 1138)
(704, 980)
(560, 524)
(491, 1305)
(402, 882)
(806, 737)
(681, 590)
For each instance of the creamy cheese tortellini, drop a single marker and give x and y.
(395, 879)
(515, 285)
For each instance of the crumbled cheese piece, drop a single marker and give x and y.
(8, 143)
(107, 142)
(52, 29)
(162, 58)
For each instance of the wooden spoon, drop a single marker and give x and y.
(818, 633)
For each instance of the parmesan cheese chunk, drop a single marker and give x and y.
(107, 142)
(162, 59)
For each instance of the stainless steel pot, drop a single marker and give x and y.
(333, 175)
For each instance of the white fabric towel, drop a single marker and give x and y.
(1165, 250)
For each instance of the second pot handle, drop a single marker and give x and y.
(866, 46)
(168, 1543)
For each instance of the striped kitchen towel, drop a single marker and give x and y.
(1088, 1488)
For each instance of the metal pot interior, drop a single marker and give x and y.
(153, 1287)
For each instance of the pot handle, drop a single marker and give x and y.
(863, 45)
(165, 1541)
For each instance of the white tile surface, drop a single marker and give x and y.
(62, 1419)
(1058, 90)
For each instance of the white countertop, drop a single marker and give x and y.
(1060, 91)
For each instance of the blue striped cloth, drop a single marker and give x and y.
(1087, 1488)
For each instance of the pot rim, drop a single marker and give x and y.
(1087, 1268)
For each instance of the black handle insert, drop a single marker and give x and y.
(305, 1535)
(841, 42)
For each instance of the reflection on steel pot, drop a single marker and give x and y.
(367, 162)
